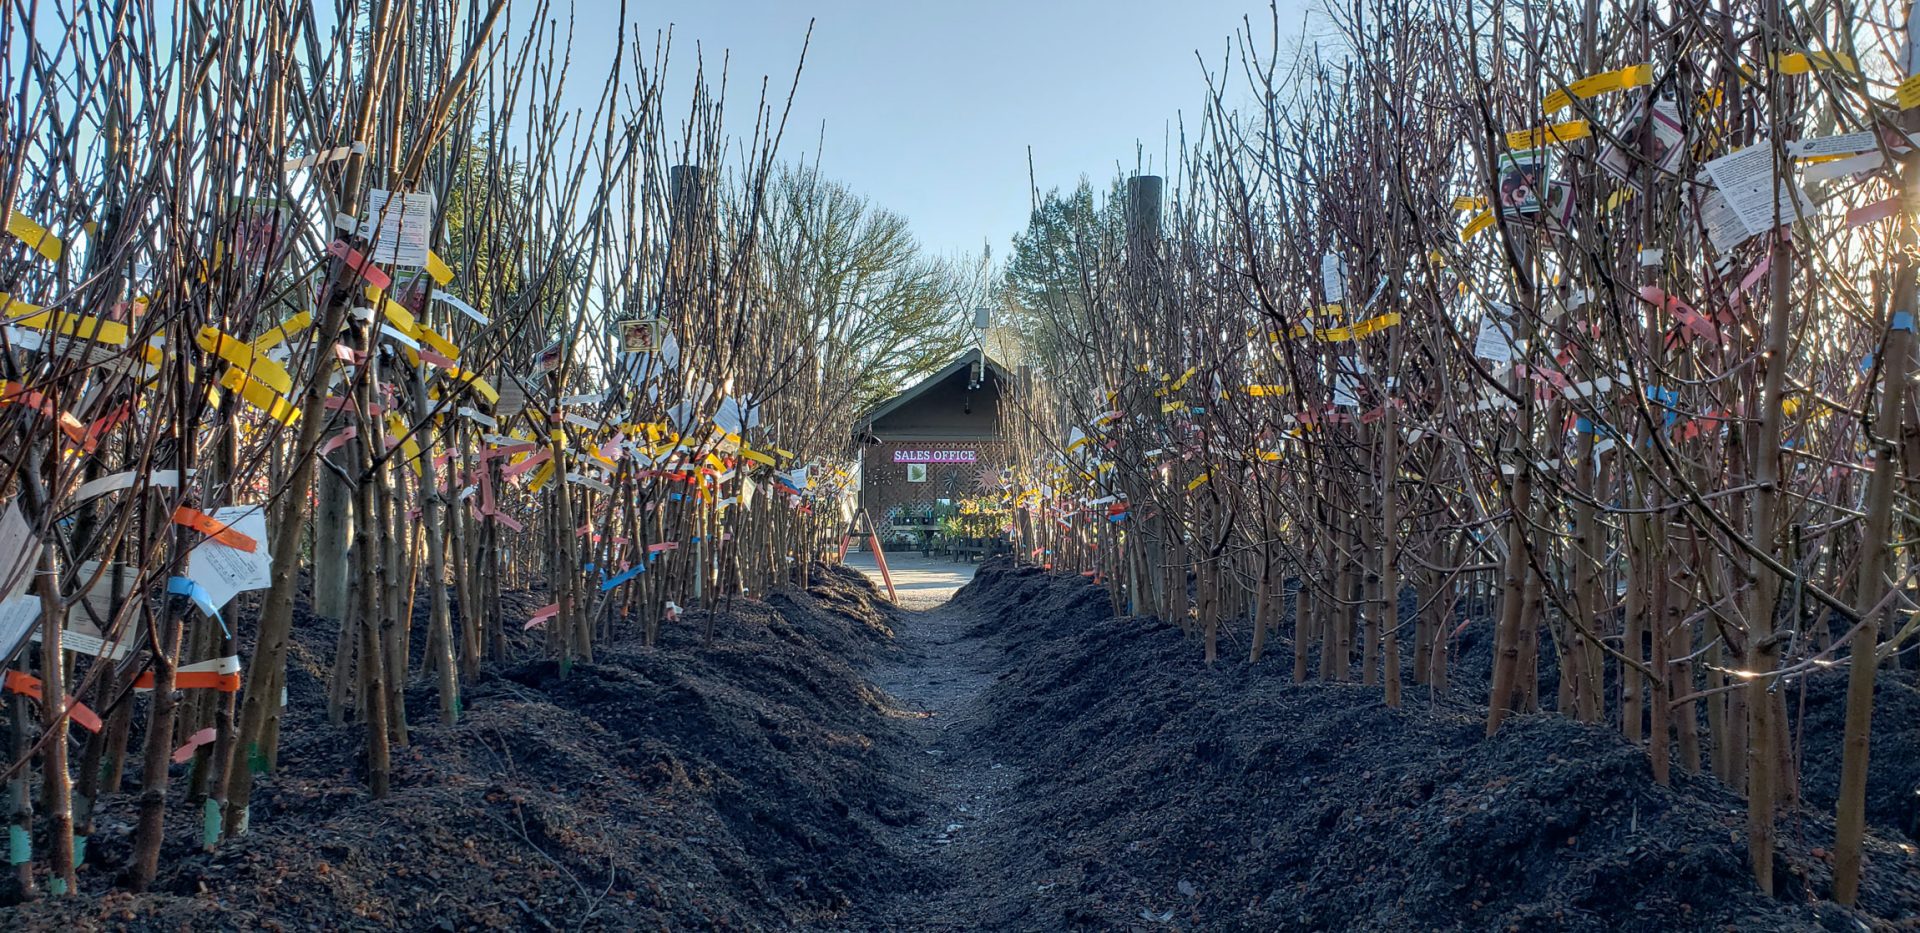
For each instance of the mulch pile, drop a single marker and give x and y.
(1893, 766)
(761, 782)
(686, 786)
(1159, 792)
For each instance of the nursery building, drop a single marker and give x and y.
(934, 444)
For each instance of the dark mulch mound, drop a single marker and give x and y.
(761, 782)
(1893, 763)
(1161, 792)
(685, 786)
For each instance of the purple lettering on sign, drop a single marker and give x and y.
(935, 456)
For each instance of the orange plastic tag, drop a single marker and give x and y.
(194, 680)
(28, 686)
(211, 527)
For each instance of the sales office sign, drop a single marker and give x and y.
(934, 456)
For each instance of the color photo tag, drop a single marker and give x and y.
(1657, 137)
(641, 336)
(1523, 179)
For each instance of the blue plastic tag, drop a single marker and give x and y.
(181, 586)
(623, 576)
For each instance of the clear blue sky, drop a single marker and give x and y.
(928, 108)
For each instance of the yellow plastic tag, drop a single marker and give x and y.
(29, 231)
(34, 317)
(541, 476)
(438, 268)
(1480, 222)
(1907, 95)
(408, 446)
(259, 396)
(1551, 133)
(241, 356)
(473, 379)
(1799, 63)
(403, 320)
(281, 334)
(432, 338)
(1595, 85)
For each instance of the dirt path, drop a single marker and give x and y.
(921, 582)
(937, 677)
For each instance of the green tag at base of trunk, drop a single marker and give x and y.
(210, 824)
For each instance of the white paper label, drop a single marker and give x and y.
(399, 224)
(1762, 198)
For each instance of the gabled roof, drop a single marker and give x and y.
(920, 388)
